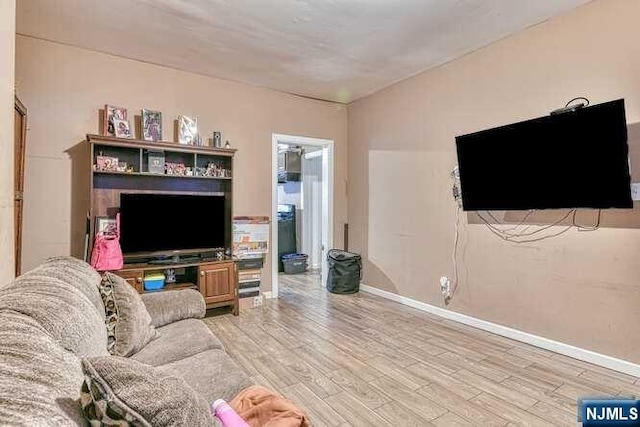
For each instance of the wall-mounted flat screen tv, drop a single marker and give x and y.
(577, 159)
(157, 223)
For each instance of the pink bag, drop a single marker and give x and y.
(106, 254)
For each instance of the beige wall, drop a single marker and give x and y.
(64, 87)
(582, 288)
(7, 55)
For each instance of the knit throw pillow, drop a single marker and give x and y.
(123, 392)
(128, 322)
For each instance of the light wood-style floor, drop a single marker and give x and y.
(363, 360)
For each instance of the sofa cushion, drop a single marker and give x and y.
(63, 310)
(170, 306)
(178, 340)
(39, 380)
(77, 273)
(212, 374)
(128, 319)
(121, 391)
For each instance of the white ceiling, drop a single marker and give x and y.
(337, 50)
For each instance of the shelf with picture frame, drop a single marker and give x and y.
(126, 170)
(113, 155)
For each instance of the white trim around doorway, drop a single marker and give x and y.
(328, 188)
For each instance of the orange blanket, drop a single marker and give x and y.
(259, 406)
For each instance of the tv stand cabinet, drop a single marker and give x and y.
(207, 171)
(217, 281)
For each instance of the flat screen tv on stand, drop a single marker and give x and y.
(172, 228)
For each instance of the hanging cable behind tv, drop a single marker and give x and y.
(572, 106)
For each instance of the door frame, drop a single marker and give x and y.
(327, 188)
(18, 197)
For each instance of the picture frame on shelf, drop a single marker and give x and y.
(151, 125)
(106, 163)
(105, 225)
(112, 113)
(122, 128)
(187, 130)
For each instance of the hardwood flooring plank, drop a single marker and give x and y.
(398, 357)
(458, 348)
(319, 361)
(532, 389)
(521, 400)
(461, 388)
(346, 361)
(399, 415)
(369, 395)
(403, 376)
(576, 391)
(508, 411)
(548, 362)
(464, 408)
(441, 364)
(621, 385)
(417, 403)
(277, 374)
(452, 420)
(355, 412)
(320, 412)
(493, 373)
(316, 381)
(554, 414)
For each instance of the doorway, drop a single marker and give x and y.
(302, 189)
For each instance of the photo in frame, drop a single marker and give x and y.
(187, 130)
(112, 113)
(106, 163)
(151, 125)
(122, 128)
(105, 225)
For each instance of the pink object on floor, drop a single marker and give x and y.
(227, 416)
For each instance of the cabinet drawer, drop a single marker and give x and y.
(133, 277)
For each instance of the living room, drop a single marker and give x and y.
(564, 303)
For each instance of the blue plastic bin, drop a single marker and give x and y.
(154, 282)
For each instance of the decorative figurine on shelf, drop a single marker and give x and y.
(170, 275)
(217, 139)
(227, 145)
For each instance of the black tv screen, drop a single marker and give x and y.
(170, 222)
(577, 159)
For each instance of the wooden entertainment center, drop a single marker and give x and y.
(216, 277)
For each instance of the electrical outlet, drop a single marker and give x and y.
(445, 286)
(635, 191)
(257, 301)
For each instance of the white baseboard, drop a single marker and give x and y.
(535, 340)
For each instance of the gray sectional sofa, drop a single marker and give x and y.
(53, 315)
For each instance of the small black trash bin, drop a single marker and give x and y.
(294, 263)
(345, 272)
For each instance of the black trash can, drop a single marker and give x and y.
(345, 272)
